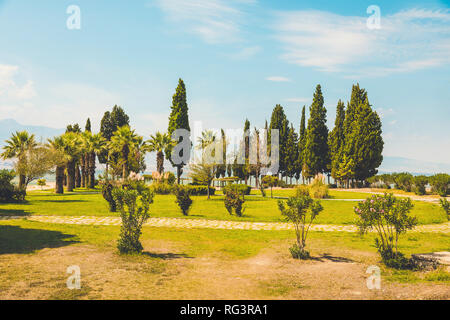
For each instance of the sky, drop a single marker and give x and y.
(238, 59)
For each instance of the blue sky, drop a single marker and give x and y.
(238, 59)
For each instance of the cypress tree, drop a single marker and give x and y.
(178, 119)
(279, 121)
(316, 149)
(119, 118)
(336, 139)
(301, 141)
(88, 125)
(246, 166)
(292, 153)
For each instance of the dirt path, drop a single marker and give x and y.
(210, 224)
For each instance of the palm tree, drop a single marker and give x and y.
(124, 141)
(159, 143)
(206, 139)
(56, 146)
(72, 144)
(16, 147)
(93, 144)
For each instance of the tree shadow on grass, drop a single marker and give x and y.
(14, 239)
(13, 212)
(166, 256)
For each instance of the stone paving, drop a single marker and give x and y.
(210, 224)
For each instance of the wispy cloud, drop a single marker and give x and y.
(278, 79)
(245, 53)
(10, 89)
(214, 21)
(407, 41)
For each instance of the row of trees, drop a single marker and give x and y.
(352, 151)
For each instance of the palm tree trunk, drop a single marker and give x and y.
(160, 162)
(70, 175)
(77, 177)
(59, 186)
(92, 170)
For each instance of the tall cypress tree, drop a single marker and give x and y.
(279, 121)
(246, 166)
(363, 143)
(336, 139)
(178, 119)
(119, 118)
(88, 125)
(291, 159)
(301, 141)
(316, 149)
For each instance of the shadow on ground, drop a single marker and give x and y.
(326, 256)
(14, 239)
(167, 256)
(14, 212)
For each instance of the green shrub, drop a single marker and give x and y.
(318, 189)
(161, 188)
(301, 190)
(241, 189)
(440, 184)
(183, 199)
(233, 201)
(42, 183)
(445, 206)
(8, 192)
(420, 183)
(133, 206)
(197, 190)
(107, 189)
(270, 181)
(388, 215)
(170, 178)
(403, 181)
(301, 210)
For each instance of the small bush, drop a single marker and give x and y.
(445, 205)
(107, 188)
(42, 183)
(8, 192)
(183, 199)
(161, 188)
(232, 202)
(197, 190)
(133, 206)
(299, 253)
(241, 189)
(440, 184)
(318, 189)
(301, 190)
(420, 183)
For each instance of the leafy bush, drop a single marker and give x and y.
(403, 181)
(133, 205)
(161, 188)
(420, 183)
(301, 210)
(318, 189)
(440, 184)
(183, 199)
(233, 201)
(445, 206)
(170, 178)
(241, 189)
(42, 183)
(8, 192)
(107, 188)
(388, 215)
(195, 190)
(301, 190)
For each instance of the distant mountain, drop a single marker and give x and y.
(398, 164)
(8, 126)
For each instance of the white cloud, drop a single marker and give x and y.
(10, 89)
(407, 41)
(215, 21)
(246, 53)
(278, 79)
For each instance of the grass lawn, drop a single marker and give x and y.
(256, 208)
(204, 264)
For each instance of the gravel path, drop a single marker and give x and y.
(210, 224)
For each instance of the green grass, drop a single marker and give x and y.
(27, 237)
(257, 209)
